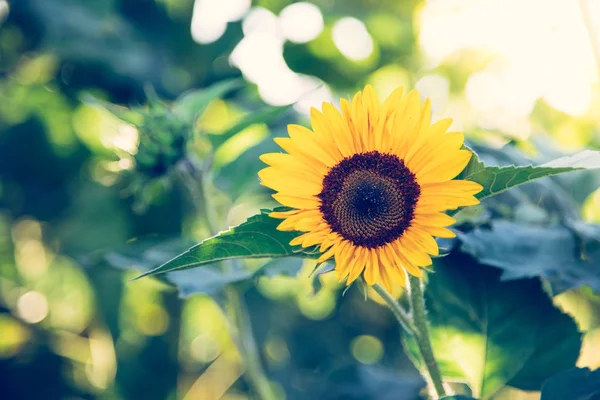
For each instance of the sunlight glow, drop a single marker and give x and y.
(259, 55)
(436, 88)
(301, 22)
(351, 37)
(542, 48)
(210, 18)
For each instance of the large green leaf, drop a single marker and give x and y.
(498, 179)
(490, 333)
(574, 384)
(258, 237)
(567, 257)
(145, 253)
(192, 104)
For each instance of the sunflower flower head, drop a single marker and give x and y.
(369, 185)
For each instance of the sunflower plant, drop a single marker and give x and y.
(388, 200)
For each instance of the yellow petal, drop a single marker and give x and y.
(436, 231)
(308, 143)
(288, 162)
(340, 131)
(327, 255)
(309, 202)
(444, 170)
(427, 243)
(358, 265)
(308, 160)
(404, 124)
(289, 182)
(440, 146)
(283, 214)
(434, 219)
(413, 252)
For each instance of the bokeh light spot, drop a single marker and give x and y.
(152, 320)
(14, 336)
(367, 349)
(32, 307)
(277, 351)
(210, 18)
(301, 22)
(352, 39)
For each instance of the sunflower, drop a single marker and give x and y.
(370, 185)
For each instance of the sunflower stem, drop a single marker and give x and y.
(401, 315)
(422, 336)
(239, 317)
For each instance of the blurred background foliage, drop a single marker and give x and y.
(73, 326)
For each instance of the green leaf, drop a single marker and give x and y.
(192, 104)
(498, 179)
(144, 254)
(457, 397)
(567, 257)
(264, 115)
(489, 333)
(258, 237)
(574, 384)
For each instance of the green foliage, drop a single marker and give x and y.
(258, 237)
(63, 194)
(498, 179)
(265, 115)
(133, 117)
(190, 105)
(566, 256)
(489, 333)
(574, 384)
(143, 254)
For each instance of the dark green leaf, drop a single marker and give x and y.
(487, 332)
(457, 397)
(539, 200)
(192, 104)
(258, 237)
(566, 258)
(266, 115)
(574, 384)
(498, 179)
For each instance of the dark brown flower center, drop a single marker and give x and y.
(369, 198)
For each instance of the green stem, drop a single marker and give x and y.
(247, 345)
(422, 336)
(238, 312)
(402, 316)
